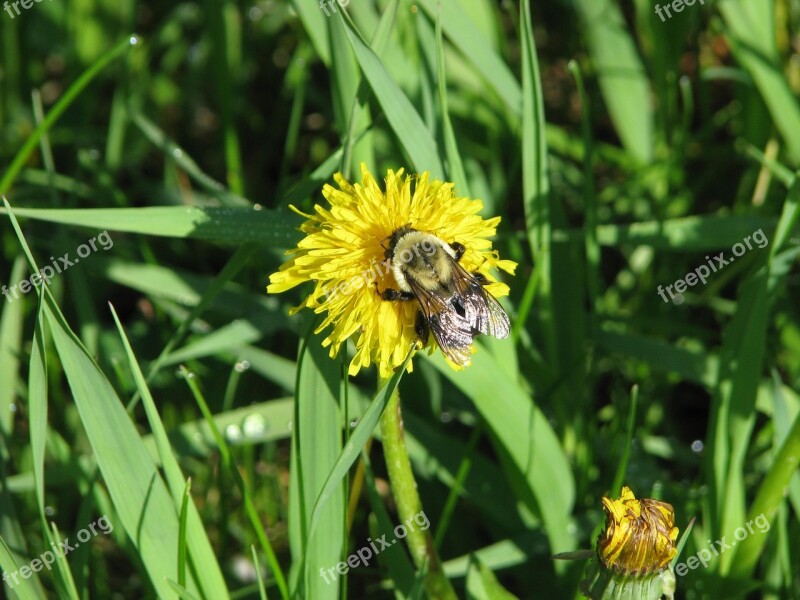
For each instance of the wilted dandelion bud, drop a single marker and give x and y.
(634, 551)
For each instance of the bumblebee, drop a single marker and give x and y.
(453, 303)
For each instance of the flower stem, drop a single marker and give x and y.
(404, 490)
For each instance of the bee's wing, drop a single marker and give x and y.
(452, 331)
(482, 310)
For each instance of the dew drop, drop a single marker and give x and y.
(242, 366)
(254, 426)
(12, 407)
(697, 446)
(353, 423)
(134, 39)
(233, 433)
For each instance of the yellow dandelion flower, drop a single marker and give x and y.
(640, 534)
(343, 253)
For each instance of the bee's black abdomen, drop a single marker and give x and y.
(421, 328)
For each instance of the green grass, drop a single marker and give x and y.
(156, 383)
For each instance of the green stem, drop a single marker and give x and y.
(404, 490)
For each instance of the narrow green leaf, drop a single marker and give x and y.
(229, 225)
(404, 120)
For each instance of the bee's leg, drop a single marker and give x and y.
(422, 329)
(480, 278)
(459, 250)
(394, 295)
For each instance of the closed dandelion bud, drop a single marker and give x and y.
(634, 551)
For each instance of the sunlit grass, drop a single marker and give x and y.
(620, 151)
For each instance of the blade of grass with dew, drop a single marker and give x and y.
(751, 34)
(470, 41)
(317, 441)
(225, 225)
(621, 74)
(206, 568)
(403, 118)
(271, 366)
(244, 488)
(195, 437)
(525, 434)
(58, 109)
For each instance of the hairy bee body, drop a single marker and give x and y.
(453, 303)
